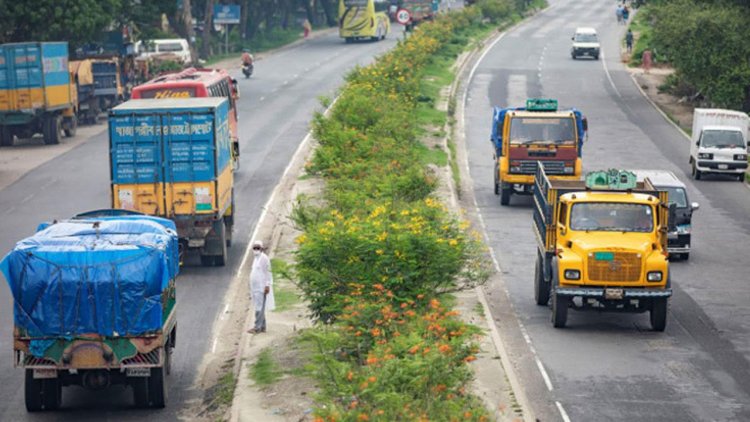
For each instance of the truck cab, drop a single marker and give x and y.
(719, 143)
(538, 133)
(678, 241)
(602, 245)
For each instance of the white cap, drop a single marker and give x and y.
(258, 243)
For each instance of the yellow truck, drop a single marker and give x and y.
(522, 137)
(602, 245)
(37, 93)
(172, 158)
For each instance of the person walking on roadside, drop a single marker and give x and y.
(618, 13)
(646, 61)
(261, 287)
(625, 15)
(306, 28)
(629, 41)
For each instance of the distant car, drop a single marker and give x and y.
(177, 46)
(585, 43)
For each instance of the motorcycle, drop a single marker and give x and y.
(247, 69)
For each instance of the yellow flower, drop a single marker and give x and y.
(379, 252)
(453, 242)
(301, 239)
(382, 236)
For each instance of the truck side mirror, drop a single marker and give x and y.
(672, 217)
(694, 206)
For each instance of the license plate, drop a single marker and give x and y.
(613, 294)
(138, 372)
(723, 166)
(604, 256)
(45, 373)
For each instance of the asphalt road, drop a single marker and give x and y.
(275, 107)
(611, 366)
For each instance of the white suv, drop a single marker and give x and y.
(585, 43)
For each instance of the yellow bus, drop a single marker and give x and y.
(360, 19)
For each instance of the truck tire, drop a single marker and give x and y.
(157, 388)
(6, 136)
(32, 392)
(70, 125)
(741, 177)
(505, 195)
(51, 129)
(559, 310)
(685, 256)
(541, 287)
(52, 392)
(658, 314)
(140, 392)
(696, 173)
(497, 182)
(221, 259)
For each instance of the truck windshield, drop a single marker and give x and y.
(542, 130)
(611, 216)
(677, 197)
(722, 139)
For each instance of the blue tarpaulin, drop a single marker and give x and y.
(93, 276)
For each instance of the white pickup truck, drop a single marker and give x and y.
(719, 144)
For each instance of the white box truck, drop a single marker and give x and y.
(719, 143)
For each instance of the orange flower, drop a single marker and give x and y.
(434, 304)
(319, 419)
(426, 350)
(350, 376)
(353, 404)
(414, 349)
(378, 286)
(375, 332)
(358, 333)
(444, 348)
(420, 296)
(404, 305)
(363, 386)
(470, 358)
(440, 387)
(372, 379)
(467, 415)
(371, 360)
(363, 417)
(380, 411)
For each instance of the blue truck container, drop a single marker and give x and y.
(173, 158)
(94, 305)
(37, 94)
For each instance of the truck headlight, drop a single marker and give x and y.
(568, 170)
(515, 169)
(740, 157)
(572, 275)
(705, 155)
(654, 276)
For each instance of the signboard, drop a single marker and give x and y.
(403, 16)
(225, 14)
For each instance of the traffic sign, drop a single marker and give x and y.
(403, 16)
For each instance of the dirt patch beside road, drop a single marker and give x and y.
(679, 110)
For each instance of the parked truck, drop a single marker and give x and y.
(602, 245)
(719, 143)
(522, 137)
(37, 94)
(94, 305)
(173, 158)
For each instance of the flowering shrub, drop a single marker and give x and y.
(374, 261)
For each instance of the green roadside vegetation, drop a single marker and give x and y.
(377, 263)
(706, 43)
(265, 371)
(261, 42)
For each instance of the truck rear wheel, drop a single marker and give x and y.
(221, 259)
(51, 128)
(41, 394)
(658, 314)
(541, 287)
(505, 195)
(559, 310)
(70, 125)
(6, 136)
(140, 391)
(157, 388)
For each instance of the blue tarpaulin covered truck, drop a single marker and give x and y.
(173, 158)
(94, 305)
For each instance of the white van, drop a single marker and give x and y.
(176, 46)
(719, 143)
(585, 43)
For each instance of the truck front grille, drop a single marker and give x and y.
(529, 167)
(624, 267)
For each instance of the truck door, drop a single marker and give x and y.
(189, 163)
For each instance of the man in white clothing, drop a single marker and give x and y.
(261, 287)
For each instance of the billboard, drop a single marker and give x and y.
(225, 14)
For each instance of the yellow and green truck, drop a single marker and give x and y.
(172, 158)
(602, 245)
(37, 94)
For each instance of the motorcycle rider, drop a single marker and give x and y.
(247, 60)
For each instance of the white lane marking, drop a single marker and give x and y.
(517, 89)
(27, 199)
(224, 312)
(296, 75)
(10, 210)
(609, 77)
(563, 413)
(262, 98)
(213, 345)
(547, 381)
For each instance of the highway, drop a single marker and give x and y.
(275, 107)
(611, 367)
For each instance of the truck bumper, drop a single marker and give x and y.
(613, 293)
(728, 167)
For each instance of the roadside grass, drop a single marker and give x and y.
(434, 155)
(479, 309)
(225, 391)
(265, 371)
(642, 34)
(285, 298)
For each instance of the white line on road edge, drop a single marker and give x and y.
(563, 413)
(609, 77)
(539, 365)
